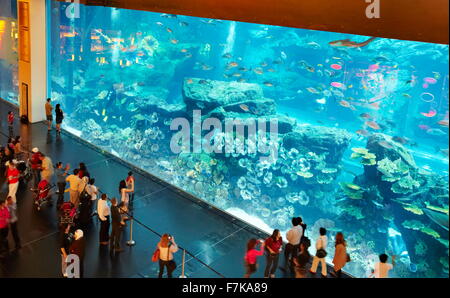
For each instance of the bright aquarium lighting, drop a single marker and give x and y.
(359, 141)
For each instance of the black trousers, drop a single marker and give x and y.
(15, 233)
(115, 236)
(163, 264)
(4, 246)
(290, 252)
(271, 264)
(104, 230)
(36, 177)
(61, 189)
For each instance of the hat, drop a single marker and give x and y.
(35, 150)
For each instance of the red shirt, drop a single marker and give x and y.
(11, 118)
(4, 217)
(13, 175)
(274, 245)
(35, 161)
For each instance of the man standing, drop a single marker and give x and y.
(48, 113)
(116, 227)
(74, 182)
(12, 208)
(61, 174)
(36, 166)
(4, 220)
(103, 212)
(12, 175)
(78, 247)
(293, 237)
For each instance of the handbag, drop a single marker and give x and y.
(155, 256)
(321, 252)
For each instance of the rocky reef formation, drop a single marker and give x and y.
(393, 189)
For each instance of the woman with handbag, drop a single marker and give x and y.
(165, 250)
(340, 255)
(321, 253)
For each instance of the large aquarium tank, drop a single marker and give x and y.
(359, 141)
(8, 51)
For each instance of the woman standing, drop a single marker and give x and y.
(125, 193)
(273, 245)
(340, 254)
(251, 255)
(59, 117)
(301, 261)
(18, 148)
(167, 247)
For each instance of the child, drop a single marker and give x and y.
(10, 123)
(251, 255)
(382, 268)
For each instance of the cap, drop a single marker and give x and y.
(35, 150)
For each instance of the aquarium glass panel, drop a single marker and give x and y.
(8, 51)
(266, 123)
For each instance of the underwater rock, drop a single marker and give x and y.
(376, 144)
(159, 106)
(285, 124)
(260, 107)
(319, 139)
(207, 95)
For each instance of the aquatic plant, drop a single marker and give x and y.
(420, 248)
(367, 158)
(352, 191)
(430, 231)
(392, 170)
(354, 211)
(413, 225)
(405, 185)
(413, 208)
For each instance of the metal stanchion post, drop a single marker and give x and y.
(131, 242)
(182, 265)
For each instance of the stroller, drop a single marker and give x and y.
(42, 194)
(67, 214)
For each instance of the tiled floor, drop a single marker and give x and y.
(206, 233)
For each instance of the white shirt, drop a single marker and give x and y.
(92, 190)
(294, 235)
(103, 209)
(322, 242)
(165, 252)
(382, 270)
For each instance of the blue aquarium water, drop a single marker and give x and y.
(362, 124)
(8, 51)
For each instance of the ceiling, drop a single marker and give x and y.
(418, 20)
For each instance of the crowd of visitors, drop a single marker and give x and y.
(113, 213)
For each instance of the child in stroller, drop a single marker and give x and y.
(67, 214)
(42, 194)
